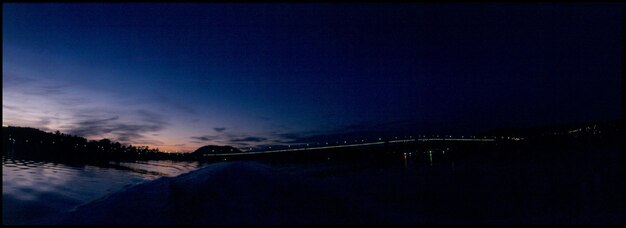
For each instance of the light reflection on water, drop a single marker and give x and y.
(33, 190)
(406, 184)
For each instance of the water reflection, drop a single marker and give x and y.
(159, 168)
(405, 160)
(438, 183)
(34, 190)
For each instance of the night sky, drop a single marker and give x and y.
(179, 76)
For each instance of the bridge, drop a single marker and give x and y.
(353, 145)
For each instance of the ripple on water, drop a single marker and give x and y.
(36, 189)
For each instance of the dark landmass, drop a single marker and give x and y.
(31, 143)
(212, 149)
(562, 129)
(35, 144)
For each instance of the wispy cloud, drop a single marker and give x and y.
(248, 139)
(205, 137)
(219, 129)
(163, 99)
(13, 108)
(355, 131)
(47, 90)
(10, 80)
(125, 131)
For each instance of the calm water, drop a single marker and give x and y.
(411, 186)
(36, 190)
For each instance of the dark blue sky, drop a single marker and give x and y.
(178, 76)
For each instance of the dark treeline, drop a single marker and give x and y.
(36, 144)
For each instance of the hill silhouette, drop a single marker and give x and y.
(214, 149)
